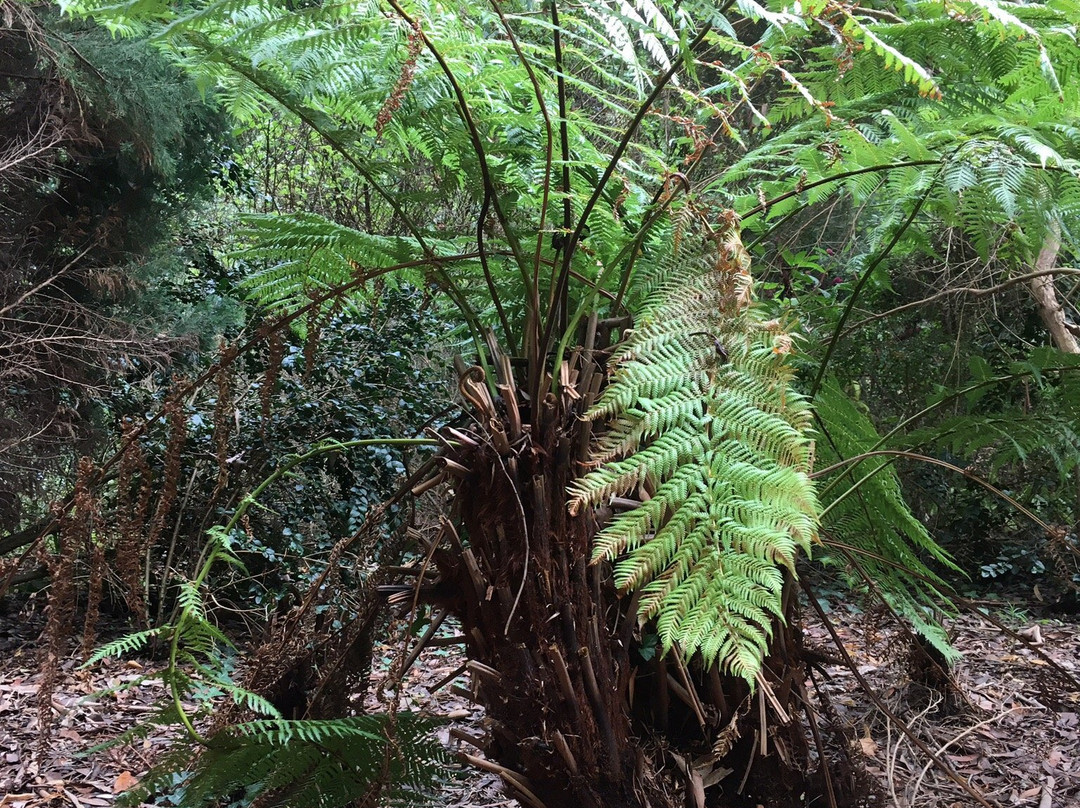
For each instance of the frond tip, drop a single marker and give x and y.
(704, 423)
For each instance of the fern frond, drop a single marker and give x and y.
(382, 759)
(865, 511)
(702, 414)
(126, 644)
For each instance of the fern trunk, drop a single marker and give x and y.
(577, 707)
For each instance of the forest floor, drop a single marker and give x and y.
(1012, 730)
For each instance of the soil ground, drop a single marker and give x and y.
(1011, 728)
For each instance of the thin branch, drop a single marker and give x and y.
(47, 282)
(962, 290)
(924, 459)
(955, 739)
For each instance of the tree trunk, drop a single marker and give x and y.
(1051, 311)
(581, 713)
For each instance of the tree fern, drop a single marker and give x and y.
(704, 425)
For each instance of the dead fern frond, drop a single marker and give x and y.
(415, 43)
(88, 510)
(170, 474)
(275, 353)
(74, 529)
(133, 493)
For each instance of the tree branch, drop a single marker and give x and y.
(966, 290)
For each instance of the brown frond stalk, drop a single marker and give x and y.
(132, 505)
(61, 611)
(88, 516)
(311, 342)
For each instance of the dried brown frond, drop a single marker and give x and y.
(60, 610)
(415, 43)
(88, 516)
(170, 475)
(132, 506)
(305, 666)
(111, 282)
(275, 350)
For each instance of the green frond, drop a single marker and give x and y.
(164, 715)
(305, 254)
(867, 521)
(701, 413)
(385, 760)
(127, 644)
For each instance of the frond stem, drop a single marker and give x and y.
(488, 280)
(531, 336)
(959, 394)
(763, 207)
(299, 110)
(620, 149)
(850, 550)
(476, 140)
(881, 256)
(563, 250)
(962, 290)
(632, 246)
(283, 97)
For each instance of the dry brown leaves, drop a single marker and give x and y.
(1015, 735)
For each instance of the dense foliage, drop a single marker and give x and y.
(571, 187)
(106, 148)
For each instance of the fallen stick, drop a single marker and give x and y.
(1048, 793)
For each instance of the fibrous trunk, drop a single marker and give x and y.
(582, 711)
